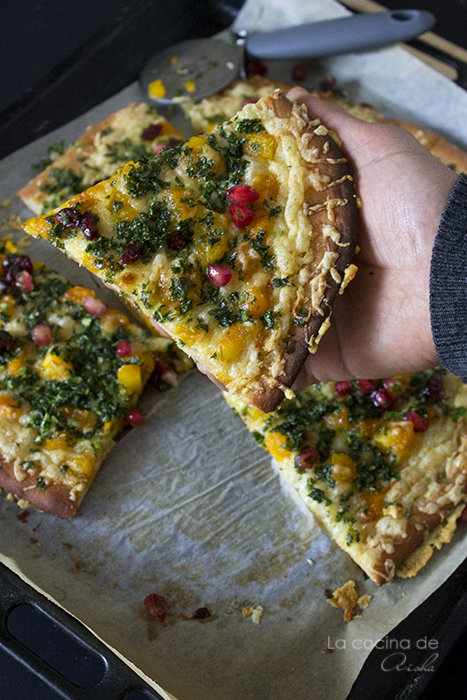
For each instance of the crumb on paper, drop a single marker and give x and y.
(199, 614)
(6, 202)
(310, 561)
(12, 222)
(113, 584)
(257, 612)
(246, 612)
(24, 242)
(348, 599)
(327, 651)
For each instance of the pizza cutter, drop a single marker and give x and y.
(197, 68)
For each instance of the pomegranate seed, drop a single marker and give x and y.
(250, 101)
(420, 423)
(307, 458)
(123, 349)
(242, 194)
(135, 418)
(342, 388)
(170, 143)
(94, 306)
(365, 386)
(23, 281)
(218, 275)
(328, 84)
(152, 132)
(41, 335)
(434, 390)
(176, 241)
(242, 215)
(256, 68)
(157, 606)
(69, 217)
(6, 340)
(298, 74)
(381, 399)
(394, 387)
(89, 226)
(132, 253)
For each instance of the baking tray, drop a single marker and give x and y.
(442, 616)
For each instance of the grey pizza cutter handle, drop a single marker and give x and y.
(363, 32)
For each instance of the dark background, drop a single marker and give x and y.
(44, 43)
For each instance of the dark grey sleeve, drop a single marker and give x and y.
(448, 283)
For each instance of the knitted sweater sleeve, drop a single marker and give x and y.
(448, 283)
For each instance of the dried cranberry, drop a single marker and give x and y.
(69, 217)
(123, 349)
(6, 340)
(394, 387)
(298, 73)
(434, 390)
(381, 399)
(170, 143)
(17, 263)
(176, 241)
(157, 606)
(365, 386)
(256, 68)
(218, 275)
(132, 253)
(328, 84)
(89, 226)
(242, 215)
(135, 418)
(152, 132)
(41, 335)
(307, 458)
(420, 423)
(242, 194)
(343, 388)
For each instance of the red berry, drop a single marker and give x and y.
(365, 386)
(94, 306)
(307, 458)
(242, 215)
(170, 143)
(420, 423)
(152, 132)
(242, 194)
(132, 253)
(88, 226)
(176, 241)
(256, 68)
(298, 74)
(394, 387)
(343, 388)
(69, 217)
(135, 418)
(218, 275)
(123, 349)
(41, 335)
(157, 606)
(434, 390)
(164, 375)
(381, 399)
(24, 282)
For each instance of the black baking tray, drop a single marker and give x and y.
(107, 61)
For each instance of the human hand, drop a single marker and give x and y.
(380, 327)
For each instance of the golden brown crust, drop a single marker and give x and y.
(332, 206)
(56, 499)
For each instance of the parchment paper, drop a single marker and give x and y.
(188, 506)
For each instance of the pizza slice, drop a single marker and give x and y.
(71, 372)
(135, 131)
(235, 243)
(382, 464)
